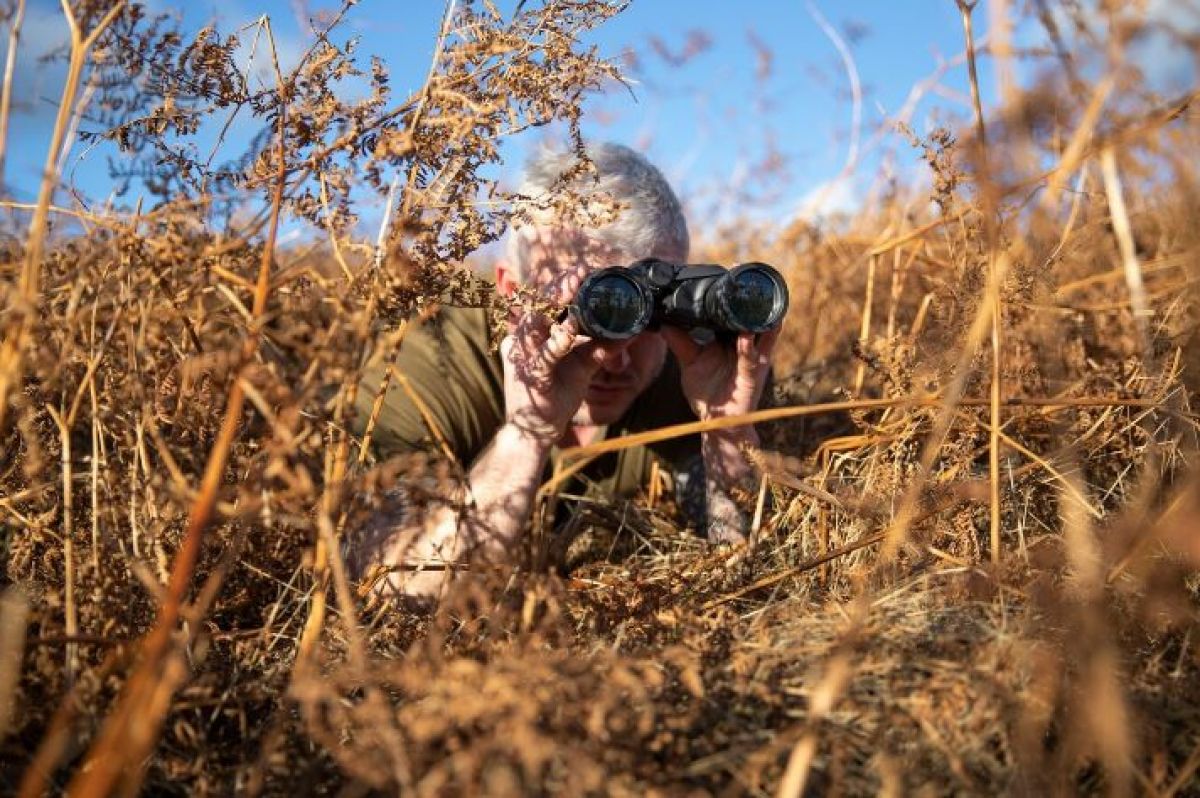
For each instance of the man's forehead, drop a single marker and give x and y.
(571, 248)
(570, 238)
(548, 251)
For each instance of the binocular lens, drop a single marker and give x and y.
(752, 298)
(615, 304)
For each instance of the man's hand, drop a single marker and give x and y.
(547, 368)
(722, 380)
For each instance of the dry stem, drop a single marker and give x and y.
(17, 333)
(10, 64)
(123, 744)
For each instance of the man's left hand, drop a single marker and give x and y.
(720, 379)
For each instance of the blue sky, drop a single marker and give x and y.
(715, 122)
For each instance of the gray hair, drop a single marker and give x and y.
(650, 220)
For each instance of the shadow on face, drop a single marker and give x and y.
(628, 368)
(556, 261)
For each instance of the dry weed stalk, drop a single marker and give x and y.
(131, 730)
(10, 66)
(23, 307)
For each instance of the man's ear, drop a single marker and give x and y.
(506, 278)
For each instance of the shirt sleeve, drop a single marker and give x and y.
(449, 365)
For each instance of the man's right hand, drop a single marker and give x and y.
(547, 369)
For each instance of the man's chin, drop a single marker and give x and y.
(601, 412)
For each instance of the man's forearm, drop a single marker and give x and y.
(726, 471)
(502, 484)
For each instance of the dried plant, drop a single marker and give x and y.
(974, 566)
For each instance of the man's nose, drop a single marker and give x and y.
(615, 357)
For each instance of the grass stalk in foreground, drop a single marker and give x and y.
(131, 728)
(18, 330)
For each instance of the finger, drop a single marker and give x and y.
(526, 351)
(532, 329)
(559, 342)
(766, 345)
(680, 342)
(565, 339)
(745, 347)
(571, 325)
(747, 355)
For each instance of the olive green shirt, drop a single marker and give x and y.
(451, 365)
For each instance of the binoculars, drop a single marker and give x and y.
(620, 301)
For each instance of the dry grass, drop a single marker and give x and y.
(978, 571)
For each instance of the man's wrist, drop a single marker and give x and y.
(525, 440)
(723, 452)
(503, 482)
(735, 436)
(730, 481)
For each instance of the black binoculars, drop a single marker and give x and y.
(621, 301)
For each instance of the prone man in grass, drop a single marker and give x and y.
(505, 414)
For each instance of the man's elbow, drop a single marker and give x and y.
(409, 559)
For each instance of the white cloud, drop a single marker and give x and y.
(1165, 60)
(837, 197)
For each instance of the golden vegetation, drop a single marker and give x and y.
(974, 561)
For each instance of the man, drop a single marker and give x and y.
(503, 414)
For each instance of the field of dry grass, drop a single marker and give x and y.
(975, 565)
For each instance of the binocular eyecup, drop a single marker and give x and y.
(621, 301)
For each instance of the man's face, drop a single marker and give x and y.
(557, 260)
